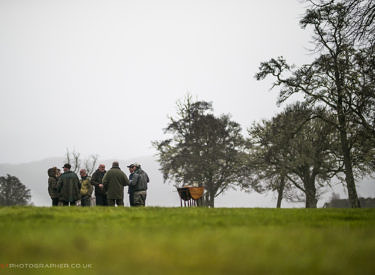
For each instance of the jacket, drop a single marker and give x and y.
(52, 183)
(69, 187)
(114, 182)
(130, 188)
(139, 180)
(96, 179)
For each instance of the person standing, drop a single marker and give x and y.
(68, 187)
(97, 181)
(114, 181)
(131, 188)
(139, 185)
(58, 173)
(52, 186)
(86, 188)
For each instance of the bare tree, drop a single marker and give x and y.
(74, 159)
(90, 164)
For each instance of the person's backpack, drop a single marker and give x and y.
(86, 187)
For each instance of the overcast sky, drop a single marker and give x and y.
(101, 77)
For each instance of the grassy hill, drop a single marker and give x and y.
(188, 240)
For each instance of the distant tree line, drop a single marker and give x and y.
(336, 202)
(330, 134)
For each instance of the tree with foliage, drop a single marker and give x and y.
(264, 176)
(361, 15)
(265, 162)
(13, 192)
(293, 150)
(204, 149)
(339, 79)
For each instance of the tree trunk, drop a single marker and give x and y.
(206, 199)
(209, 199)
(311, 201)
(211, 202)
(280, 192)
(349, 177)
(310, 190)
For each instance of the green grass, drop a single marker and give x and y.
(189, 240)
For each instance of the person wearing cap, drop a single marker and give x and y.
(131, 188)
(68, 187)
(114, 181)
(138, 184)
(97, 181)
(86, 188)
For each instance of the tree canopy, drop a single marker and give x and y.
(204, 149)
(340, 79)
(13, 192)
(293, 151)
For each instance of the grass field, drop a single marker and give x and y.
(187, 241)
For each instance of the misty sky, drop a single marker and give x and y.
(101, 77)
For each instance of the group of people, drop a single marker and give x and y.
(67, 189)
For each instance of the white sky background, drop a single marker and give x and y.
(101, 77)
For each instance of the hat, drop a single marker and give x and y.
(67, 165)
(134, 164)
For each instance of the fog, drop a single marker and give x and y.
(101, 77)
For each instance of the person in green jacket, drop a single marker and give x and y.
(114, 181)
(69, 187)
(52, 185)
(86, 188)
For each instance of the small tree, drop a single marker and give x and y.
(13, 192)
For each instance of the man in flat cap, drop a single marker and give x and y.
(138, 184)
(114, 181)
(68, 187)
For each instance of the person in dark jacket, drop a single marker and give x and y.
(139, 185)
(69, 187)
(114, 181)
(52, 186)
(131, 188)
(97, 181)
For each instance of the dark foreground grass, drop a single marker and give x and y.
(187, 241)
